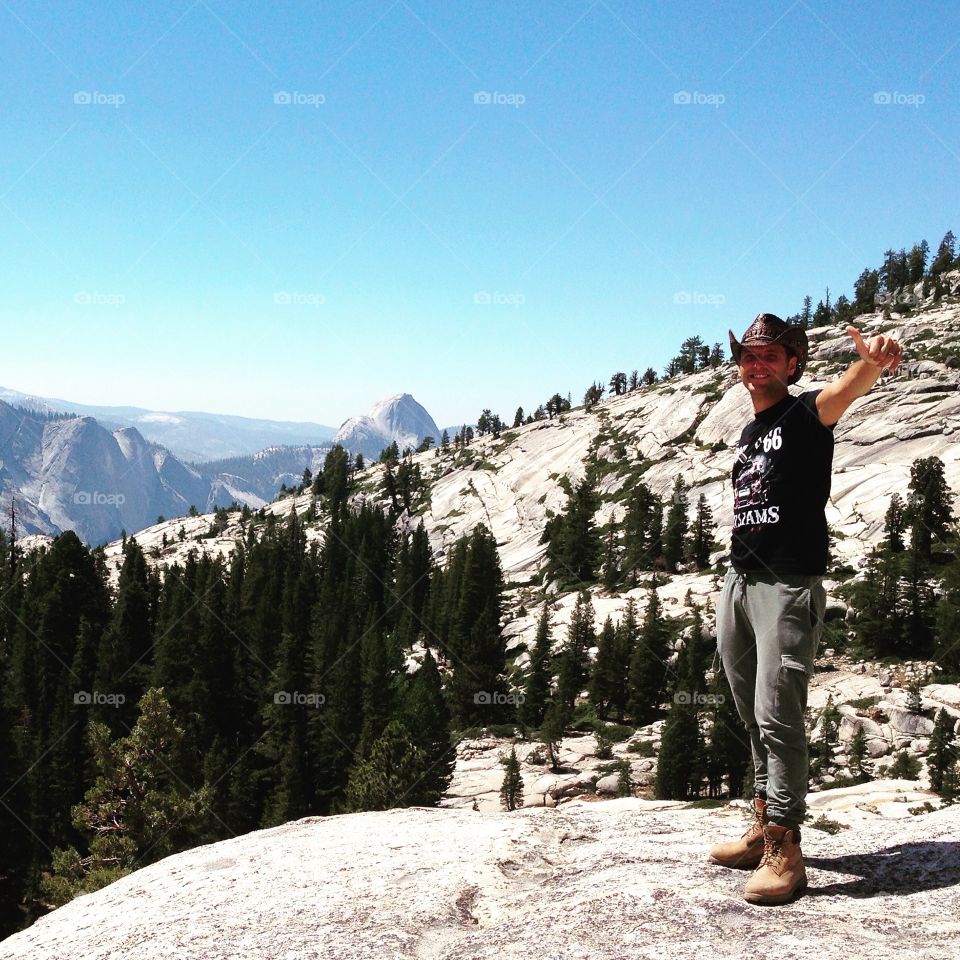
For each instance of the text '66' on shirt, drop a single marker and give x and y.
(781, 484)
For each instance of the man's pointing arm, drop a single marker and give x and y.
(880, 353)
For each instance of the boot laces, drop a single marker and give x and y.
(773, 854)
(757, 826)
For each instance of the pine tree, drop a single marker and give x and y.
(572, 543)
(929, 511)
(915, 633)
(679, 761)
(702, 539)
(641, 531)
(392, 776)
(573, 662)
(124, 659)
(945, 257)
(537, 687)
(626, 636)
(858, 755)
(942, 752)
(376, 704)
(674, 536)
(611, 564)
(894, 525)
(905, 766)
(946, 649)
(694, 656)
(475, 645)
(605, 670)
(624, 779)
(511, 790)
(877, 598)
(648, 663)
(865, 292)
(558, 715)
(728, 753)
(917, 262)
(821, 749)
(427, 717)
(137, 810)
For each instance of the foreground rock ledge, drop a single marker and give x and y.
(618, 879)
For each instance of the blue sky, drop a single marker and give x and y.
(174, 237)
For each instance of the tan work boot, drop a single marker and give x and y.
(781, 873)
(746, 852)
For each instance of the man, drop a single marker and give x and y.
(771, 606)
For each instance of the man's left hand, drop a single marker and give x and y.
(880, 351)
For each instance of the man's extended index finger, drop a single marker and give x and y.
(855, 333)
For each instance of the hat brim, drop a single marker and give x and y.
(793, 340)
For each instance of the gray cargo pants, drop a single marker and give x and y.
(768, 630)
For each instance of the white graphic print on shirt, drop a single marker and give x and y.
(751, 506)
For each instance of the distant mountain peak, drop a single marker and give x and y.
(395, 418)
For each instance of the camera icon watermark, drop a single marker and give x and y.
(699, 99)
(295, 698)
(95, 98)
(487, 98)
(296, 98)
(890, 298)
(94, 698)
(95, 298)
(699, 699)
(496, 698)
(898, 99)
(94, 498)
(686, 298)
(486, 298)
(295, 298)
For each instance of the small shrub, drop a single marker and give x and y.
(536, 757)
(827, 825)
(905, 766)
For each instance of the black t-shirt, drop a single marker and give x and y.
(781, 484)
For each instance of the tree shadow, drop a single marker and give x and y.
(902, 868)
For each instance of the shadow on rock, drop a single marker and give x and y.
(903, 868)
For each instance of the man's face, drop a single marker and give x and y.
(765, 369)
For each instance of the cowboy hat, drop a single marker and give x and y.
(769, 328)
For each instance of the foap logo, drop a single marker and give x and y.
(700, 699)
(906, 298)
(294, 698)
(94, 698)
(94, 498)
(486, 298)
(95, 298)
(95, 98)
(494, 98)
(296, 98)
(496, 698)
(686, 298)
(897, 99)
(295, 298)
(699, 99)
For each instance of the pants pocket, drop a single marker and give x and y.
(797, 628)
(790, 696)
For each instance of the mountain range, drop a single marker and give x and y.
(191, 435)
(66, 470)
